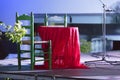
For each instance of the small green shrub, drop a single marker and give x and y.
(16, 33)
(85, 46)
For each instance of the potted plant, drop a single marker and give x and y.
(9, 37)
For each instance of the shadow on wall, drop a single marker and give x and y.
(7, 47)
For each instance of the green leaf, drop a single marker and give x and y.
(16, 34)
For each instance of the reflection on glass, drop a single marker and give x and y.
(56, 20)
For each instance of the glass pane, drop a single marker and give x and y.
(56, 20)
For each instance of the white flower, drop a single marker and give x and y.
(8, 27)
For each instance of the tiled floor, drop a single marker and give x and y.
(7, 63)
(100, 70)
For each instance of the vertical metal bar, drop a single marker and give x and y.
(104, 31)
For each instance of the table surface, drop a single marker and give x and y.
(65, 45)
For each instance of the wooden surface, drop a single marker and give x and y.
(70, 74)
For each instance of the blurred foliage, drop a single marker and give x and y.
(16, 33)
(85, 46)
(116, 10)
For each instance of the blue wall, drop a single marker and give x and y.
(8, 8)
